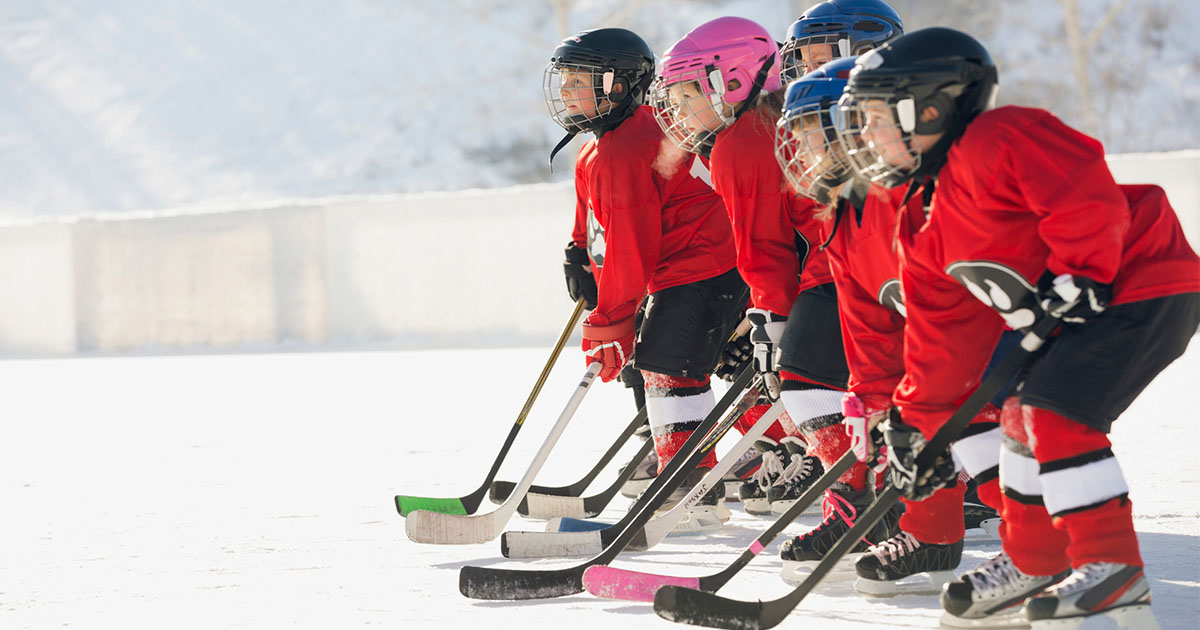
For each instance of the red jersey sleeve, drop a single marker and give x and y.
(749, 181)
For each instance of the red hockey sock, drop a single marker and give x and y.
(1035, 546)
(828, 444)
(989, 493)
(676, 406)
(747, 421)
(938, 519)
(1084, 488)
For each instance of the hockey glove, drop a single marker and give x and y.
(765, 335)
(862, 417)
(738, 350)
(580, 281)
(1072, 299)
(904, 445)
(610, 344)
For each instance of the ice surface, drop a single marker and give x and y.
(256, 491)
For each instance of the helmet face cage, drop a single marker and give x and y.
(876, 133)
(808, 152)
(580, 96)
(690, 108)
(805, 54)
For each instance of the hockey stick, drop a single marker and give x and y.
(550, 506)
(736, 388)
(501, 489)
(469, 503)
(615, 583)
(498, 583)
(652, 532)
(699, 608)
(440, 528)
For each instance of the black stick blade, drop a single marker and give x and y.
(509, 584)
(698, 608)
(499, 491)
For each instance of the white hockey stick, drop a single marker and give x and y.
(458, 529)
(561, 544)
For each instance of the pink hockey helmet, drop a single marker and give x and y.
(731, 59)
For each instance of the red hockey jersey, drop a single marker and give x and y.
(1021, 193)
(775, 231)
(866, 272)
(647, 221)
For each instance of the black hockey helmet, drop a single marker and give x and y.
(596, 79)
(933, 67)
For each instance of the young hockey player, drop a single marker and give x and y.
(651, 226)
(1025, 221)
(835, 29)
(719, 93)
(860, 232)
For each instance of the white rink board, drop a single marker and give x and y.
(463, 269)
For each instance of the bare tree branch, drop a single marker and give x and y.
(1093, 35)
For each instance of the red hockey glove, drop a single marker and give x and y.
(610, 344)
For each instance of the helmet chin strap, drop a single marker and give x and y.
(558, 147)
(760, 80)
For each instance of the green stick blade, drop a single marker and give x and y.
(406, 504)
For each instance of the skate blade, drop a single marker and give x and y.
(1132, 617)
(928, 583)
(1013, 619)
(634, 487)
(988, 531)
(796, 572)
(694, 524)
(757, 507)
(779, 507)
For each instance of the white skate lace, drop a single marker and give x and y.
(771, 468)
(799, 467)
(997, 574)
(891, 549)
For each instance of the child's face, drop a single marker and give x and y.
(693, 109)
(810, 137)
(813, 56)
(578, 94)
(881, 132)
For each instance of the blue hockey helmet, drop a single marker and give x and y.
(806, 145)
(837, 28)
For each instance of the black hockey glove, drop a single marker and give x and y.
(580, 281)
(1072, 299)
(904, 444)
(736, 353)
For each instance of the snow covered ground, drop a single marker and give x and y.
(256, 491)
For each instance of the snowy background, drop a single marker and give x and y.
(138, 104)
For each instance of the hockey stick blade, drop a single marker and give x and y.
(618, 583)
(457, 529)
(406, 504)
(698, 608)
(506, 584)
(501, 489)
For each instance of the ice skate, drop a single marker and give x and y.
(743, 469)
(841, 506)
(903, 565)
(800, 473)
(982, 523)
(1097, 595)
(753, 492)
(646, 471)
(991, 595)
(707, 515)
